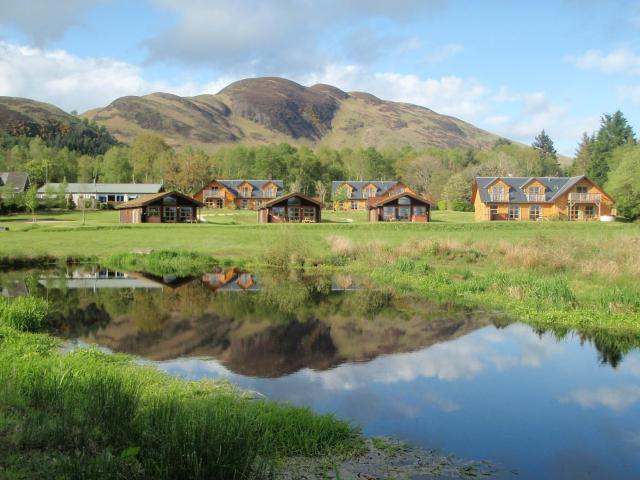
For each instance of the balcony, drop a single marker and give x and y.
(495, 197)
(213, 194)
(535, 197)
(585, 197)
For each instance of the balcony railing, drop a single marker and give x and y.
(585, 197)
(213, 194)
(535, 197)
(494, 197)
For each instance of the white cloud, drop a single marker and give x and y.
(71, 82)
(623, 60)
(451, 95)
(616, 399)
(44, 20)
(629, 92)
(278, 37)
(445, 52)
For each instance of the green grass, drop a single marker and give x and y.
(87, 414)
(161, 263)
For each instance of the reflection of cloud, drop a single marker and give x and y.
(462, 358)
(441, 403)
(616, 399)
(631, 365)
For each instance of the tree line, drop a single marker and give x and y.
(445, 175)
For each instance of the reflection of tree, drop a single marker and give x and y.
(612, 347)
(148, 310)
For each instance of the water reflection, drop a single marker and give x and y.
(549, 403)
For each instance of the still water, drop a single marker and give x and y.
(557, 405)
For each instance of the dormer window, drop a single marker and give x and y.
(582, 189)
(245, 192)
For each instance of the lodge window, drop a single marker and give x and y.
(534, 190)
(214, 203)
(258, 203)
(153, 211)
(354, 205)
(270, 193)
(389, 213)
(102, 198)
(493, 210)
(244, 204)
(294, 214)
(581, 189)
(119, 198)
(186, 213)
(245, 192)
(169, 214)
(589, 211)
(404, 213)
(419, 211)
(293, 201)
(369, 192)
(309, 213)
(404, 201)
(169, 200)
(277, 211)
(535, 212)
(574, 213)
(514, 212)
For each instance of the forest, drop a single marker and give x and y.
(609, 156)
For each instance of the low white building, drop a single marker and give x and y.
(102, 192)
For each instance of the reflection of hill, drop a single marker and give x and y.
(270, 349)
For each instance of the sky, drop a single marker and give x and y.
(510, 67)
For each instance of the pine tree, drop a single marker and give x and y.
(614, 132)
(547, 155)
(581, 160)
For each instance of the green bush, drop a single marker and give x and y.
(23, 313)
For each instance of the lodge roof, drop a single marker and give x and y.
(17, 182)
(383, 200)
(234, 185)
(554, 187)
(359, 185)
(275, 201)
(148, 199)
(106, 188)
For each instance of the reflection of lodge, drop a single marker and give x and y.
(97, 279)
(293, 207)
(232, 279)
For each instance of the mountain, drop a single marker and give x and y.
(22, 117)
(266, 110)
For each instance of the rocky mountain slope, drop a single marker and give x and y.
(264, 110)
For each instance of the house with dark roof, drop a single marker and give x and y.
(243, 194)
(403, 206)
(353, 194)
(163, 207)
(539, 198)
(12, 183)
(293, 208)
(102, 192)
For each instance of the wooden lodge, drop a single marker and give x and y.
(164, 207)
(356, 193)
(400, 207)
(539, 198)
(293, 208)
(241, 194)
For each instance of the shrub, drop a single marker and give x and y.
(23, 313)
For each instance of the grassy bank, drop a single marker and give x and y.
(86, 414)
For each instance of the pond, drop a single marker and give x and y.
(539, 404)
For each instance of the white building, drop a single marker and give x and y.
(103, 192)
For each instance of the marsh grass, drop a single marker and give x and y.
(87, 414)
(162, 263)
(23, 313)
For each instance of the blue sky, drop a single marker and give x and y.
(510, 67)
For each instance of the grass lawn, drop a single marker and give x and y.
(598, 264)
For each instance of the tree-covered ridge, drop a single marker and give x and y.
(83, 136)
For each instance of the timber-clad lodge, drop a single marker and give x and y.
(493, 198)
